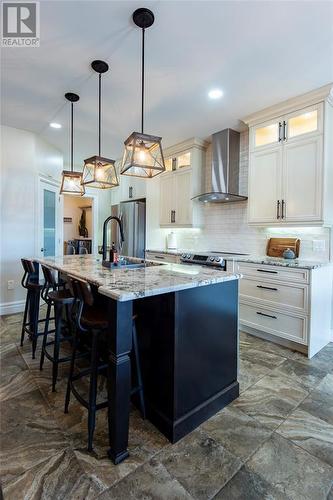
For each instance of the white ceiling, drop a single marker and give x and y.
(258, 52)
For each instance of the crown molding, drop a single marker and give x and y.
(180, 147)
(324, 93)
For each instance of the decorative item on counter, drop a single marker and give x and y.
(113, 254)
(171, 241)
(83, 231)
(276, 246)
(288, 254)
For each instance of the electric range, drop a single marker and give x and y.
(215, 259)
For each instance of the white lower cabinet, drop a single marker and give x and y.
(284, 325)
(287, 303)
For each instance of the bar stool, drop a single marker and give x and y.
(91, 318)
(60, 299)
(31, 310)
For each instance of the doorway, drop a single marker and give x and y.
(78, 224)
(49, 216)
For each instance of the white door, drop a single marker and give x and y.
(167, 199)
(265, 186)
(302, 180)
(49, 220)
(183, 214)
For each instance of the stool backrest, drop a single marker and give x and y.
(50, 280)
(29, 269)
(81, 291)
(83, 251)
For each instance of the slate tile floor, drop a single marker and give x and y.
(274, 442)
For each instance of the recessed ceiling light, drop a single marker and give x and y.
(55, 125)
(215, 94)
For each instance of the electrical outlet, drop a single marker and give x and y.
(10, 284)
(318, 245)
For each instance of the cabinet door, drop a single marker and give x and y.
(302, 180)
(183, 198)
(303, 122)
(167, 198)
(266, 135)
(265, 186)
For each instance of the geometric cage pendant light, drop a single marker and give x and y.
(71, 180)
(143, 155)
(99, 172)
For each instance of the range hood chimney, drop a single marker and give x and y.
(224, 170)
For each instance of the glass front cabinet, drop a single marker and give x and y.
(290, 164)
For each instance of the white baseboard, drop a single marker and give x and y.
(12, 307)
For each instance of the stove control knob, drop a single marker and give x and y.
(188, 256)
(183, 255)
(217, 259)
(211, 259)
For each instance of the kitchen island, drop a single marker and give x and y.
(188, 335)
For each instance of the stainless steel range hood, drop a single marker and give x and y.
(224, 172)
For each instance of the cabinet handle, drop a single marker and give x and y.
(280, 131)
(267, 315)
(173, 216)
(283, 205)
(265, 271)
(267, 288)
(284, 130)
(278, 209)
(130, 192)
(159, 257)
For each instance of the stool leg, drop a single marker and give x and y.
(71, 371)
(35, 324)
(138, 371)
(25, 317)
(46, 331)
(57, 335)
(92, 391)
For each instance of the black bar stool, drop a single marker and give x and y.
(91, 318)
(31, 310)
(60, 299)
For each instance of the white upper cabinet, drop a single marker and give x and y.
(291, 162)
(266, 135)
(182, 181)
(266, 166)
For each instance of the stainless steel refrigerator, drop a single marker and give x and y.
(133, 217)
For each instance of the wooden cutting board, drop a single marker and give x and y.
(276, 246)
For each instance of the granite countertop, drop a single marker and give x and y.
(169, 251)
(129, 284)
(276, 261)
(259, 259)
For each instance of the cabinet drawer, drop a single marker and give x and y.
(276, 323)
(290, 296)
(273, 273)
(164, 257)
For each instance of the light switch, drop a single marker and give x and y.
(10, 285)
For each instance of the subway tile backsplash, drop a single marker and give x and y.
(226, 229)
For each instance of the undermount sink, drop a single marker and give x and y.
(127, 264)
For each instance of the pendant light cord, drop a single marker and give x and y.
(142, 77)
(72, 136)
(99, 112)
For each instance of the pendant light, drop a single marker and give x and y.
(71, 180)
(99, 172)
(143, 155)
